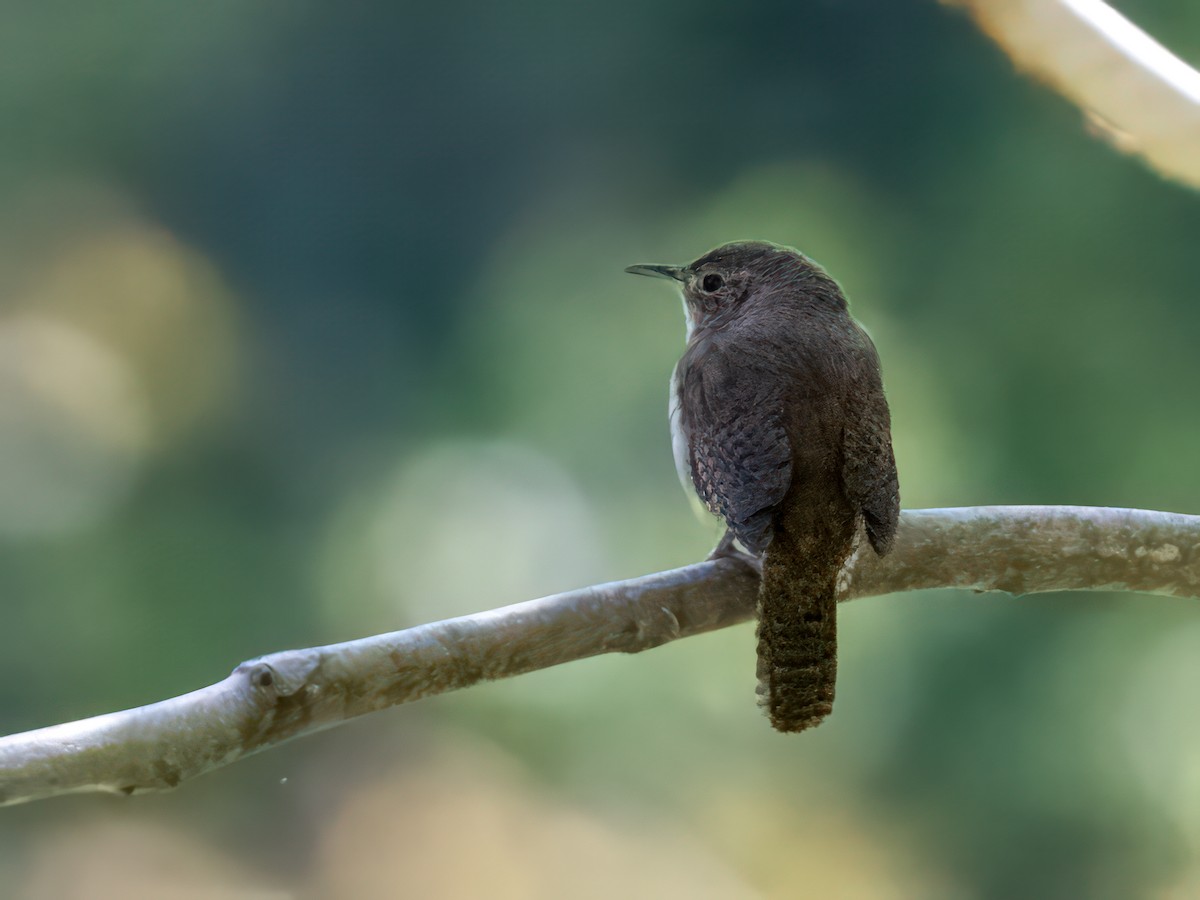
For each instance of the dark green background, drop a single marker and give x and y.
(313, 325)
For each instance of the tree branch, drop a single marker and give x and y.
(1020, 550)
(1138, 94)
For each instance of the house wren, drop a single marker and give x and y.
(779, 421)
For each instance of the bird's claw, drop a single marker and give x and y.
(727, 548)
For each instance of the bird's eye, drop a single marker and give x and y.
(712, 282)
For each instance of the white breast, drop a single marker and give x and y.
(679, 438)
(681, 449)
(680, 442)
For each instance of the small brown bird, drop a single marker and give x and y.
(779, 421)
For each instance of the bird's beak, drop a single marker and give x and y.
(675, 273)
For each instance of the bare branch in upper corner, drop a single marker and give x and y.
(1021, 550)
(1137, 94)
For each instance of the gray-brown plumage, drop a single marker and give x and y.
(779, 421)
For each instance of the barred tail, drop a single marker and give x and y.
(797, 631)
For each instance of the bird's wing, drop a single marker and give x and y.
(869, 466)
(738, 450)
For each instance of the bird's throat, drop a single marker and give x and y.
(688, 318)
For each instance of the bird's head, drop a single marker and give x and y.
(723, 281)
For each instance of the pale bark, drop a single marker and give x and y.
(285, 695)
(1138, 94)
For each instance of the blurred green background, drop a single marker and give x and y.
(313, 325)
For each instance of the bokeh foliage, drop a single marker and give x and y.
(313, 324)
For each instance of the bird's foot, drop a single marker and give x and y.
(728, 548)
